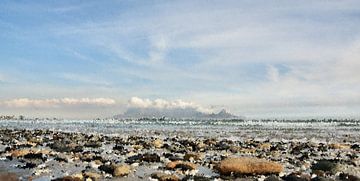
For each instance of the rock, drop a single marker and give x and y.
(157, 143)
(107, 168)
(8, 177)
(164, 177)
(121, 170)
(265, 146)
(248, 165)
(93, 144)
(273, 178)
(20, 153)
(182, 165)
(297, 177)
(339, 146)
(194, 156)
(78, 175)
(67, 178)
(92, 175)
(348, 177)
(35, 156)
(326, 166)
(320, 178)
(148, 157)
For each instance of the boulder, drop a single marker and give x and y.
(248, 165)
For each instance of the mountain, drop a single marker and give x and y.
(179, 113)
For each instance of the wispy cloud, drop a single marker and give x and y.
(52, 103)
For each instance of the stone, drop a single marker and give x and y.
(181, 164)
(325, 165)
(340, 146)
(164, 177)
(265, 146)
(92, 175)
(121, 170)
(273, 178)
(194, 156)
(248, 165)
(157, 143)
(8, 177)
(20, 153)
(67, 178)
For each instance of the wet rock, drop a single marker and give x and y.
(320, 178)
(150, 157)
(62, 147)
(348, 177)
(273, 178)
(164, 177)
(8, 177)
(35, 156)
(297, 177)
(67, 178)
(29, 165)
(107, 169)
(93, 144)
(118, 148)
(248, 165)
(182, 165)
(121, 170)
(326, 166)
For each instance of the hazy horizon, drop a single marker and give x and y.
(258, 59)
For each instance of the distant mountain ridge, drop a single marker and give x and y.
(173, 113)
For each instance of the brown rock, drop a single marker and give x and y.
(20, 153)
(265, 146)
(164, 177)
(121, 170)
(181, 164)
(248, 165)
(8, 177)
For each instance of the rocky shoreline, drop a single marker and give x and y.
(55, 155)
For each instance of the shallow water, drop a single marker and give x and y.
(231, 129)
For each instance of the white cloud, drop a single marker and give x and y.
(51, 103)
(136, 102)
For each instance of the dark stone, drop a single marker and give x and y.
(107, 168)
(325, 165)
(272, 178)
(93, 144)
(148, 157)
(28, 165)
(348, 177)
(319, 178)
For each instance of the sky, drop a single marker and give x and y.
(259, 59)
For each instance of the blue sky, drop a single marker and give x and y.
(254, 58)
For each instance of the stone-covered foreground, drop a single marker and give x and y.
(48, 155)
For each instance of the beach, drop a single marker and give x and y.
(180, 150)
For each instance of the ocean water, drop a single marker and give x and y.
(231, 129)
